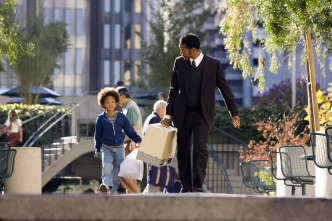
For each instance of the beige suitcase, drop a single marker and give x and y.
(158, 145)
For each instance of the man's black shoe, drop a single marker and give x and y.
(185, 191)
(198, 189)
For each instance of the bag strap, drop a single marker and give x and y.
(158, 175)
(167, 179)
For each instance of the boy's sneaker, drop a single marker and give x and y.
(103, 189)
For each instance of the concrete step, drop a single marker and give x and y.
(170, 207)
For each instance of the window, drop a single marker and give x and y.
(58, 90)
(78, 60)
(78, 91)
(137, 38)
(117, 36)
(116, 71)
(128, 36)
(107, 6)
(78, 28)
(57, 69)
(117, 5)
(46, 15)
(128, 5)
(106, 74)
(67, 61)
(138, 6)
(68, 20)
(127, 73)
(67, 91)
(136, 70)
(107, 34)
(57, 14)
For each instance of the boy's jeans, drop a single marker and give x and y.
(112, 158)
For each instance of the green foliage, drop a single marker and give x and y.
(26, 112)
(169, 23)
(11, 43)
(248, 118)
(285, 23)
(324, 100)
(51, 41)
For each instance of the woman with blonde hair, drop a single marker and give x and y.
(14, 128)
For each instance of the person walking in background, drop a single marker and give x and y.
(133, 113)
(13, 128)
(157, 114)
(161, 96)
(118, 107)
(191, 104)
(110, 131)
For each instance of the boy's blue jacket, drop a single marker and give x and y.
(112, 135)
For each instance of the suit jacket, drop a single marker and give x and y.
(213, 76)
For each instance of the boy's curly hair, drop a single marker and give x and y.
(105, 92)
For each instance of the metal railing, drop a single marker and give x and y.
(224, 158)
(57, 130)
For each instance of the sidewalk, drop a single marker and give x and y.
(179, 207)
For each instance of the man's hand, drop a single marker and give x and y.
(165, 122)
(236, 121)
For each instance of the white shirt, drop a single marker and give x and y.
(198, 60)
(15, 125)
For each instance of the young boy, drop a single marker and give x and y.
(110, 131)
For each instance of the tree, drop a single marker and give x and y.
(11, 43)
(51, 41)
(287, 24)
(167, 24)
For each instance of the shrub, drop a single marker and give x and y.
(288, 128)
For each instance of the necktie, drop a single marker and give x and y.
(193, 64)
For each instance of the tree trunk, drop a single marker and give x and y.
(311, 87)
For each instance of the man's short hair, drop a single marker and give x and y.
(190, 41)
(158, 104)
(123, 91)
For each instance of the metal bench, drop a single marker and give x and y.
(257, 175)
(293, 166)
(322, 149)
(7, 161)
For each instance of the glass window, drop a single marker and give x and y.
(57, 69)
(136, 70)
(67, 91)
(127, 73)
(78, 91)
(128, 5)
(117, 5)
(57, 14)
(137, 38)
(46, 15)
(58, 90)
(68, 20)
(106, 74)
(67, 61)
(117, 71)
(78, 60)
(78, 28)
(107, 34)
(107, 5)
(117, 36)
(18, 12)
(138, 6)
(128, 36)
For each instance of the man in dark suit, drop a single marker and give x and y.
(191, 104)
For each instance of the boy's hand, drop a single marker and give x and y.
(97, 154)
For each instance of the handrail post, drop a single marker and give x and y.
(74, 120)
